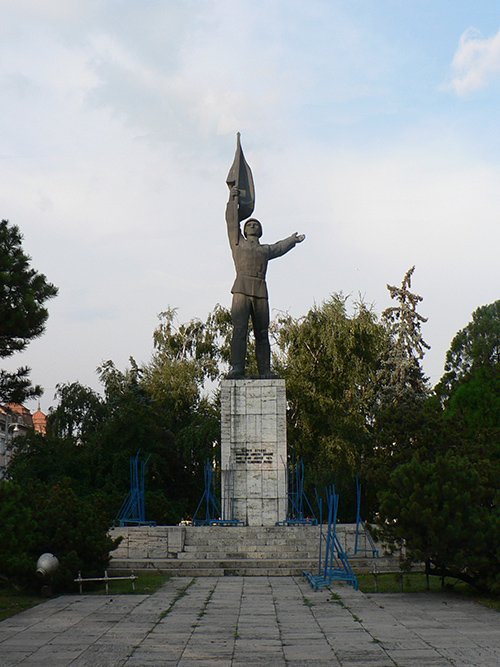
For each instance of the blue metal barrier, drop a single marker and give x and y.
(133, 510)
(360, 525)
(334, 564)
(212, 510)
(297, 498)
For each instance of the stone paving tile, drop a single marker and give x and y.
(446, 626)
(252, 621)
(12, 657)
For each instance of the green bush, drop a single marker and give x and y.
(39, 518)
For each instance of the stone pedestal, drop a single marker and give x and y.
(254, 452)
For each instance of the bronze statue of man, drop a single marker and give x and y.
(250, 298)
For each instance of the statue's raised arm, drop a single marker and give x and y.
(232, 218)
(250, 259)
(240, 177)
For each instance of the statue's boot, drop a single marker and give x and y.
(238, 354)
(236, 373)
(263, 354)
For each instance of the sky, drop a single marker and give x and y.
(371, 127)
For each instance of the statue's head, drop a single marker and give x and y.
(252, 227)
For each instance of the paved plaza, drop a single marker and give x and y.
(247, 621)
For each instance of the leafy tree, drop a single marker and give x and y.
(23, 292)
(67, 449)
(329, 360)
(161, 408)
(79, 414)
(17, 537)
(134, 422)
(48, 459)
(187, 357)
(201, 348)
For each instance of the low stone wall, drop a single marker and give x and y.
(149, 541)
(165, 542)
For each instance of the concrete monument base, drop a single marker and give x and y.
(254, 451)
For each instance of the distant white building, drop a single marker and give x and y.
(16, 420)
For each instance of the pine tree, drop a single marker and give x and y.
(23, 292)
(401, 377)
(402, 410)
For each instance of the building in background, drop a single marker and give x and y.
(16, 420)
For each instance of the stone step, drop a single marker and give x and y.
(205, 554)
(246, 566)
(228, 538)
(238, 549)
(227, 572)
(201, 568)
(180, 563)
(251, 546)
(250, 551)
(270, 541)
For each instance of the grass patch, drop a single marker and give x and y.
(391, 583)
(12, 602)
(416, 582)
(486, 599)
(146, 583)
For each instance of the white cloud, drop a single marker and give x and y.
(118, 129)
(475, 63)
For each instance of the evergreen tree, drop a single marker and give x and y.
(474, 349)
(37, 518)
(401, 377)
(440, 484)
(402, 412)
(23, 293)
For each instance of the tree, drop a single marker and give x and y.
(470, 387)
(23, 292)
(402, 413)
(329, 360)
(445, 510)
(440, 491)
(401, 378)
(79, 414)
(38, 518)
(161, 408)
(475, 348)
(67, 450)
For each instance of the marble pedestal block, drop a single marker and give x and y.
(254, 452)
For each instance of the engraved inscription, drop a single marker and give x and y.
(253, 455)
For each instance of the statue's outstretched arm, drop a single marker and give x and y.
(281, 247)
